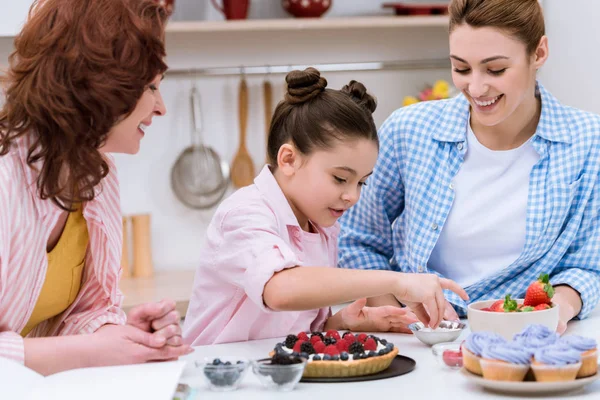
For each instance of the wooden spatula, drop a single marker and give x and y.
(242, 167)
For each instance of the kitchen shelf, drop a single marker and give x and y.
(306, 24)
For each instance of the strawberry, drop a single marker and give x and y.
(524, 308)
(319, 347)
(331, 350)
(297, 346)
(362, 337)
(303, 336)
(333, 334)
(453, 358)
(509, 305)
(370, 344)
(349, 337)
(498, 306)
(539, 292)
(342, 345)
(315, 339)
(541, 307)
(486, 309)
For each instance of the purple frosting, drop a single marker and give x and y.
(536, 336)
(558, 354)
(579, 343)
(509, 352)
(476, 341)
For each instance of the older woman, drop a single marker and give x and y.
(491, 188)
(83, 82)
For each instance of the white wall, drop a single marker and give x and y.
(12, 15)
(573, 69)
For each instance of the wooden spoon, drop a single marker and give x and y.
(242, 167)
(268, 99)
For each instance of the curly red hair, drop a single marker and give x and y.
(77, 68)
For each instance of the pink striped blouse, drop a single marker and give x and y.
(25, 225)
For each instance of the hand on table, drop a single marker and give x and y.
(160, 319)
(127, 344)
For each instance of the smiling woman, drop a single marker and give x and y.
(490, 188)
(83, 81)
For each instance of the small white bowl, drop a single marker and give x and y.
(508, 324)
(447, 331)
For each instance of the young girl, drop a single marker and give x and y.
(268, 267)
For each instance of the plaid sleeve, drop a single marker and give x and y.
(366, 236)
(580, 266)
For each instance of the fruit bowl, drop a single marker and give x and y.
(507, 324)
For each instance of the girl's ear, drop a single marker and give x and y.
(287, 159)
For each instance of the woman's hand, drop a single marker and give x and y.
(423, 293)
(126, 344)
(161, 319)
(569, 305)
(358, 317)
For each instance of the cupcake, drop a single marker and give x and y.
(473, 346)
(535, 337)
(589, 353)
(558, 362)
(505, 362)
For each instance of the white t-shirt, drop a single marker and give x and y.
(485, 230)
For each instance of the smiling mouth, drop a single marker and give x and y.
(487, 103)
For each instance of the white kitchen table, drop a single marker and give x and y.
(429, 380)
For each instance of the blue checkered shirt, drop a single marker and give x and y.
(402, 210)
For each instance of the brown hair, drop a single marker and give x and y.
(79, 66)
(523, 19)
(312, 117)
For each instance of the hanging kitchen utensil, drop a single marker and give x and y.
(199, 177)
(268, 104)
(242, 167)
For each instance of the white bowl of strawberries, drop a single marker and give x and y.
(508, 316)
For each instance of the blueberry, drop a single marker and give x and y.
(344, 356)
(283, 376)
(382, 352)
(240, 362)
(383, 342)
(356, 356)
(227, 363)
(389, 346)
(304, 355)
(316, 357)
(372, 354)
(216, 361)
(335, 357)
(295, 354)
(326, 357)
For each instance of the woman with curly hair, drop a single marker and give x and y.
(83, 82)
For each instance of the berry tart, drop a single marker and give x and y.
(333, 355)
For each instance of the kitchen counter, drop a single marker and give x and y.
(172, 284)
(429, 380)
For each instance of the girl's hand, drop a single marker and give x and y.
(358, 317)
(423, 293)
(450, 313)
